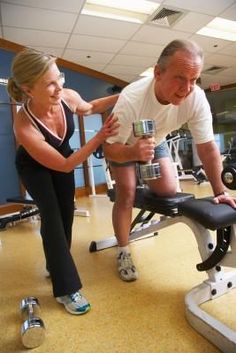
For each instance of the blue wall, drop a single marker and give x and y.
(88, 87)
(9, 182)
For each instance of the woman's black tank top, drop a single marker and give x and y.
(60, 144)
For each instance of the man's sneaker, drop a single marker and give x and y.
(74, 303)
(126, 268)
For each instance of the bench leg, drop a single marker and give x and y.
(217, 284)
(215, 331)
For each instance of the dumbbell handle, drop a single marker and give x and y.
(146, 129)
(30, 308)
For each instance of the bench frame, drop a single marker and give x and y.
(217, 283)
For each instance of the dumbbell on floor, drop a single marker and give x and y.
(32, 329)
(146, 129)
(228, 176)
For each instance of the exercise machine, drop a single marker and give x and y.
(202, 216)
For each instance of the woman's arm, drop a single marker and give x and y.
(34, 143)
(102, 104)
(81, 107)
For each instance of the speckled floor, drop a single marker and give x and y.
(146, 316)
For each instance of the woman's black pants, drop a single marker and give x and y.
(53, 193)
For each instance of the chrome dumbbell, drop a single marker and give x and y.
(146, 129)
(32, 329)
(228, 176)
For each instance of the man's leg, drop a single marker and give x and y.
(166, 185)
(125, 184)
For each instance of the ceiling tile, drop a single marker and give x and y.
(221, 60)
(27, 37)
(93, 66)
(139, 49)
(124, 69)
(86, 56)
(95, 43)
(157, 35)
(209, 79)
(192, 22)
(230, 72)
(230, 13)
(103, 27)
(49, 50)
(124, 49)
(124, 77)
(16, 16)
(229, 50)
(210, 7)
(211, 45)
(133, 60)
(60, 5)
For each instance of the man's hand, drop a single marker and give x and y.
(226, 198)
(144, 149)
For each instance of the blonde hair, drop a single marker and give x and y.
(27, 67)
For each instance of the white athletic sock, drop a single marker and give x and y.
(124, 249)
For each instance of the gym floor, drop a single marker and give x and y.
(143, 316)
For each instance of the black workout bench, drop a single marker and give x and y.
(203, 217)
(29, 210)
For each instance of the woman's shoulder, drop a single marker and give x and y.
(71, 98)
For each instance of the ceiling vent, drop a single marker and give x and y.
(214, 70)
(166, 17)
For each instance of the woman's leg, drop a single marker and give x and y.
(64, 275)
(64, 185)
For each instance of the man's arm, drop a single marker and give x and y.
(118, 152)
(211, 160)
(210, 156)
(142, 150)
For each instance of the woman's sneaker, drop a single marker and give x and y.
(74, 303)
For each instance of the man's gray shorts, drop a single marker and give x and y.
(161, 151)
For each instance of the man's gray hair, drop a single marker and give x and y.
(179, 45)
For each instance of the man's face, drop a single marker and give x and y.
(177, 81)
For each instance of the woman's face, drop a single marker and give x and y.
(48, 88)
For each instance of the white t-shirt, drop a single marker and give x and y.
(137, 101)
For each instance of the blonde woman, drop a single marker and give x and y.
(45, 161)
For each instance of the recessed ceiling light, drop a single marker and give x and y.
(220, 28)
(123, 10)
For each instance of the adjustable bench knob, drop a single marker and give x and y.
(146, 129)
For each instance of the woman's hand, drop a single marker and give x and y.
(109, 128)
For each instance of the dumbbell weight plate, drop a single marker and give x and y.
(149, 171)
(33, 332)
(228, 177)
(144, 128)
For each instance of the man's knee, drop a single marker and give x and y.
(164, 189)
(125, 197)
